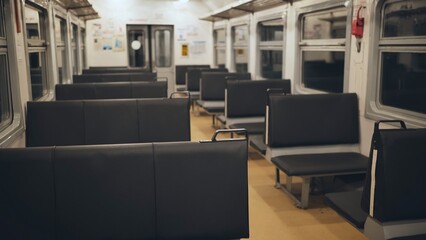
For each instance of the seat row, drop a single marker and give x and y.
(178, 190)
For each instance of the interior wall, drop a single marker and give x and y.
(115, 15)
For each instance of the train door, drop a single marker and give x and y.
(151, 49)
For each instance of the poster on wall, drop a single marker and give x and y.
(198, 47)
(184, 49)
(118, 43)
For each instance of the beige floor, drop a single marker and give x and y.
(272, 213)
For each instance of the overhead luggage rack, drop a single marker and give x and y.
(243, 7)
(81, 8)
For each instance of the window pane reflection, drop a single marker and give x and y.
(5, 98)
(323, 70)
(163, 48)
(405, 18)
(220, 57)
(61, 62)
(403, 81)
(241, 35)
(325, 25)
(271, 64)
(241, 60)
(33, 23)
(271, 30)
(220, 36)
(38, 76)
(136, 53)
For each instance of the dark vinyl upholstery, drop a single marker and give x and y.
(212, 87)
(115, 77)
(165, 122)
(198, 194)
(322, 163)
(107, 121)
(50, 124)
(317, 119)
(97, 70)
(26, 194)
(181, 71)
(248, 98)
(111, 121)
(111, 90)
(105, 192)
(146, 191)
(400, 176)
(194, 75)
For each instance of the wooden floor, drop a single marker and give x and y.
(273, 215)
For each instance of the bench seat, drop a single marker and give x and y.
(173, 190)
(321, 164)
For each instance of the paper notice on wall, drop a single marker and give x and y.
(184, 49)
(118, 41)
(198, 47)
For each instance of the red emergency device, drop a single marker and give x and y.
(358, 25)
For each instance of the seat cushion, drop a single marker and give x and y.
(252, 128)
(348, 205)
(321, 164)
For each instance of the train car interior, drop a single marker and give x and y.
(213, 119)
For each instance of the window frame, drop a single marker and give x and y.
(236, 46)
(373, 108)
(218, 46)
(16, 128)
(271, 45)
(63, 45)
(39, 46)
(340, 45)
(74, 46)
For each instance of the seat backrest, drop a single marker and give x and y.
(213, 84)
(96, 70)
(202, 181)
(180, 73)
(399, 176)
(55, 123)
(83, 122)
(164, 120)
(315, 119)
(105, 192)
(27, 197)
(194, 75)
(175, 190)
(248, 98)
(115, 77)
(111, 90)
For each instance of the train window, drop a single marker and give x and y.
(271, 48)
(220, 47)
(5, 97)
(163, 48)
(10, 106)
(323, 48)
(82, 48)
(35, 28)
(61, 57)
(404, 19)
(74, 39)
(399, 89)
(240, 39)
